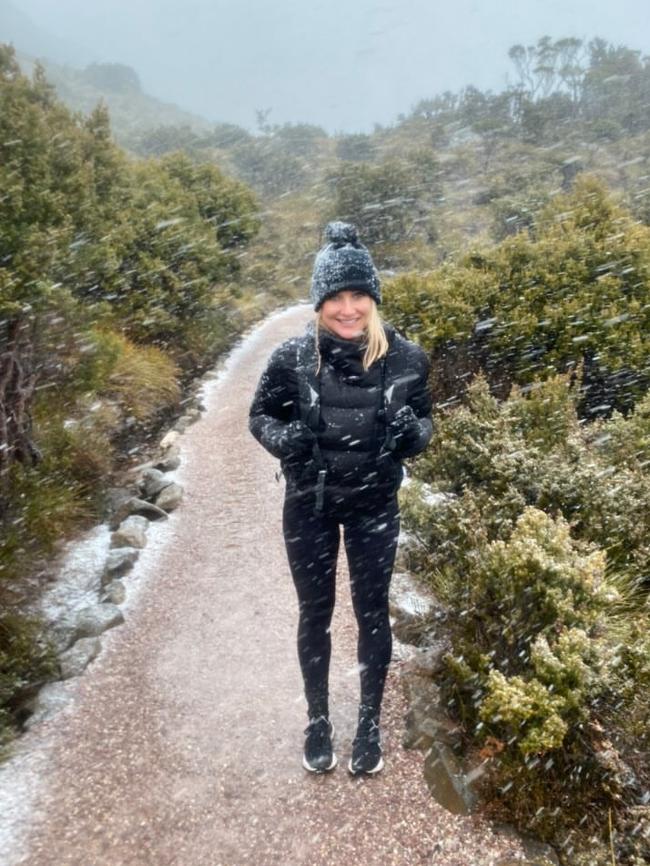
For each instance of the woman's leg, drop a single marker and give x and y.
(371, 543)
(312, 543)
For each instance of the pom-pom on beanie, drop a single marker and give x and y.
(343, 263)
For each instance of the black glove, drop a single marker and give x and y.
(296, 440)
(404, 429)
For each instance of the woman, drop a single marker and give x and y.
(340, 407)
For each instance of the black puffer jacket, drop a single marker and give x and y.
(348, 409)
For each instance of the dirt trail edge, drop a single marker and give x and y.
(181, 745)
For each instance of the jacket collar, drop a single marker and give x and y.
(308, 386)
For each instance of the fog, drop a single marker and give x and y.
(344, 66)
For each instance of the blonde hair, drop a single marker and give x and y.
(377, 343)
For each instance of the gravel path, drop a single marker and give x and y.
(182, 743)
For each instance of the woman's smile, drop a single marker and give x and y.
(346, 313)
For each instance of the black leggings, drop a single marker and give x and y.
(370, 535)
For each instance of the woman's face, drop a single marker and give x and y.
(346, 313)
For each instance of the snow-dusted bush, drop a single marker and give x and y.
(540, 555)
(573, 289)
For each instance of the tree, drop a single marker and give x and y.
(616, 85)
(114, 77)
(165, 139)
(389, 200)
(573, 292)
(549, 66)
(45, 194)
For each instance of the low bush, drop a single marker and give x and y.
(571, 291)
(25, 659)
(538, 551)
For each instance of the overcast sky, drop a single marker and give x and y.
(342, 64)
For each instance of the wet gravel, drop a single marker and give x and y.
(182, 744)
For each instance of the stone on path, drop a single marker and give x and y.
(170, 497)
(75, 660)
(119, 561)
(97, 618)
(49, 700)
(132, 532)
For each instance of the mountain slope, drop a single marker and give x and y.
(132, 110)
(26, 35)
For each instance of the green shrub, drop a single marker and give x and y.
(24, 659)
(625, 441)
(535, 540)
(500, 457)
(117, 277)
(143, 380)
(574, 292)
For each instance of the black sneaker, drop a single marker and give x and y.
(366, 746)
(318, 756)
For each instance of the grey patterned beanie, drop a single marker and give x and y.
(343, 263)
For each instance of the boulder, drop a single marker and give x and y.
(75, 660)
(115, 592)
(64, 632)
(95, 619)
(49, 700)
(170, 497)
(427, 719)
(136, 506)
(119, 561)
(169, 460)
(428, 660)
(182, 423)
(152, 482)
(190, 417)
(132, 532)
(446, 780)
(115, 499)
(402, 652)
(169, 439)
(410, 609)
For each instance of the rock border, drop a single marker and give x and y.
(150, 495)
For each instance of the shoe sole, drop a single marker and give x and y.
(311, 769)
(319, 769)
(378, 766)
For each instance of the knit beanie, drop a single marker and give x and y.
(343, 263)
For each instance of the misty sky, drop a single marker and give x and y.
(341, 64)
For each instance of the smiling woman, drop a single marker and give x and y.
(347, 313)
(340, 407)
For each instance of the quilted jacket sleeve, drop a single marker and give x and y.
(274, 405)
(419, 399)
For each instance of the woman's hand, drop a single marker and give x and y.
(296, 440)
(404, 429)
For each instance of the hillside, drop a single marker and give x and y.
(81, 84)
(17, 27)
(132, 110)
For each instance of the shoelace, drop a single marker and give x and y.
(368, 730)
(315, 728)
